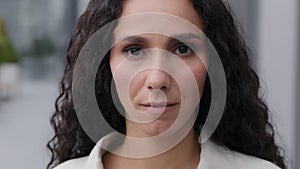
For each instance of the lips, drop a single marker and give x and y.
(158, 108)
(162, 104)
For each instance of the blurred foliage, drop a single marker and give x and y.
(7, 53)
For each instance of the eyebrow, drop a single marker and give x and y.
(133, 39)
(178, 37)
(185, 36)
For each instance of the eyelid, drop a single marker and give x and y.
(190, 46)
(127, 48)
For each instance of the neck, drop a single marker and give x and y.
(185, 154)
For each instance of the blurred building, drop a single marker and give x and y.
(28, 20)
(271, 28)
(40, 31)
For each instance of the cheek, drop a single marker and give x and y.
(121, 83)
(135, 85)
(128, 82)
(120, 77)
(200, 74)
(128, 85)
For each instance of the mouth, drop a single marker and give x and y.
(158, 108)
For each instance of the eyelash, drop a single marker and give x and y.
(126, 50)
(190, 51)
(138, 48)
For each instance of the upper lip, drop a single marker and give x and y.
(159, 104)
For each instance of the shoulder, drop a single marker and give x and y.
(77, 163)
(93, 161)
(250, 162)
(229, 159)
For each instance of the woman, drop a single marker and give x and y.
(244, 137)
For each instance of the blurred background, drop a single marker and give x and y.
(33, 38)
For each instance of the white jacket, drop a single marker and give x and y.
(212, 157)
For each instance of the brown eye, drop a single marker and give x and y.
(182, 50)
(134, 51)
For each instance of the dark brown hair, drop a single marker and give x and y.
(245, 125)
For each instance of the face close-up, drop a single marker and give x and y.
(153, 72)
(160, 84)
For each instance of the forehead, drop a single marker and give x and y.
(180, 8)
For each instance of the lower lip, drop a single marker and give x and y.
(158, 110)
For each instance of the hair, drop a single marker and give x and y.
(244, 126)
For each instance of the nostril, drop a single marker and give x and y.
(163, 87)
(157, 79)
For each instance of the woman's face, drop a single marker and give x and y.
(154, 91)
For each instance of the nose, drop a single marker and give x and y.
(158, 79)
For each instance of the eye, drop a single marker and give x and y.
(134, 51)
(183, 50)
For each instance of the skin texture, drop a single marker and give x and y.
(245, 125)
(154, 84)
(145, 83)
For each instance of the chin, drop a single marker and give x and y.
(156, 127)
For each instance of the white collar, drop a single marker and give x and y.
(212, 156)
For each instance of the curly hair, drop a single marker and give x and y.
(244, 126)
